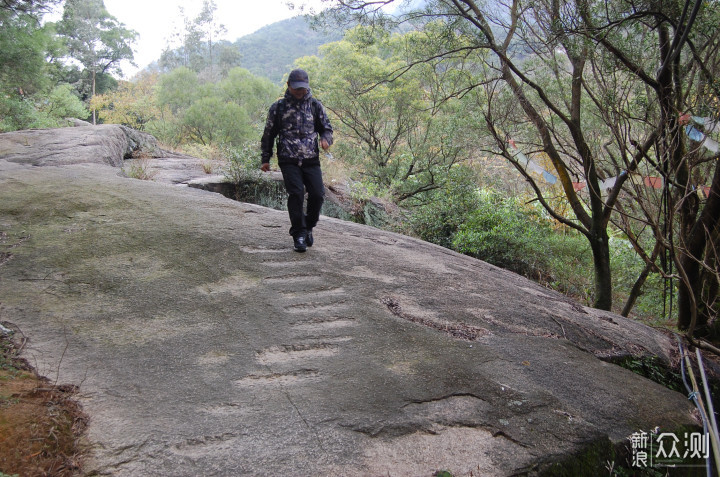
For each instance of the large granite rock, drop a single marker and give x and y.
(103, 144)
(203, 345)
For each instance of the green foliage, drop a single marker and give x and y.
(566, 264)
(132, 104)
(28, 97)
(97, 40)
(210, 120)
(243, 163)
(16, 113)
(94, 37)
(503, 233)
(437, 215)
(401, 142)
(626, 267)
(510, 234)
(23, 45)
(254, 93)
(178, 89)
(165, 128)
(42, 110)
(82, 80)
(224, 113)
(654, 369)
(251, 184)
(64, 103)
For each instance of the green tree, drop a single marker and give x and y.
(253, 93)
(31, 7)
(95, 38)
(198, 46)
(390, 130)
(676, 62)
(211, 30)
(62, 102)
(30, 97)
(547, 84)
(178, 89)
(227, 112)
(131, 104)
(23, 46)
(211, 120)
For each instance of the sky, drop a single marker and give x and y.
(156, 20)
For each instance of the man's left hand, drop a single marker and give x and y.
(324, 144)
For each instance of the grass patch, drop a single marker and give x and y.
(40, 423)
(140, 169)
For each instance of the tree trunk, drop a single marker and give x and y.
(93, 95)
(600, 246)
(687, 298)
(704, 231)
(636, 289)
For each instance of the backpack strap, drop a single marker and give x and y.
(315, 105)
(280, 105)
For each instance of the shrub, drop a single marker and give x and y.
(251, 184)
(566, 264)
(140, 169)
(40, 110)
(436, 216)
(243, 163)
(499, 231)
(505, 232)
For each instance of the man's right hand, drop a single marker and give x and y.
(265, 167)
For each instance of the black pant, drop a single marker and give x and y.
(297, 180)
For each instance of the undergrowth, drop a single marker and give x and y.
(140, 169)
(654, 369)
(40, 423)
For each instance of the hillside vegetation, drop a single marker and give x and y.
(271, 51)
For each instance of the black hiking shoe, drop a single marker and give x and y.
(300, 245)
(309, 238)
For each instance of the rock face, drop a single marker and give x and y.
(104, 144)
(203, 345)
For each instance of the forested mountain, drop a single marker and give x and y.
(271, 51)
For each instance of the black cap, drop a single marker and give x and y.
(298, 79)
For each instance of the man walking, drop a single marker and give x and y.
(301, 126)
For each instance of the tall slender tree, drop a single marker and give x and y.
(95, 38)
(198, 46)
(207, 23)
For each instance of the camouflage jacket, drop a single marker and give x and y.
(296, 124)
